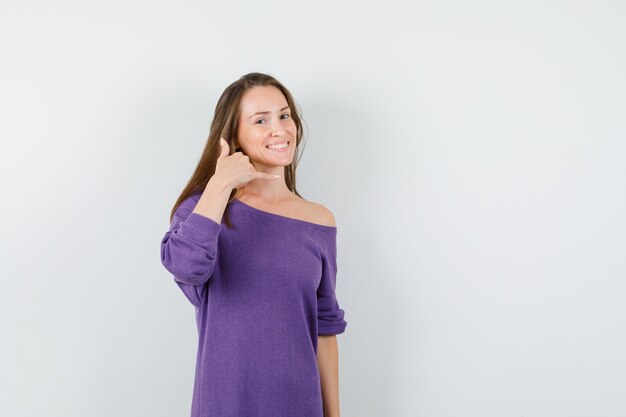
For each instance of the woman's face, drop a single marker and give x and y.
(265, 119)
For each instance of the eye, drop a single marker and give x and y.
(286, 114)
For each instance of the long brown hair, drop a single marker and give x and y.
(225, 124)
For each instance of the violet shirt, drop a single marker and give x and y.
(262, 293)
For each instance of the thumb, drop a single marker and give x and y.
(225, 150)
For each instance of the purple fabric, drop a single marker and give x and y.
(262, 293)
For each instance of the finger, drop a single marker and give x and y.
(225, 149)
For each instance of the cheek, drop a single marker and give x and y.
(254, 133)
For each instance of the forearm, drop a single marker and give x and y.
(328, 364)
(213, 201)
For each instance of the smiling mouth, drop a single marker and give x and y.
(282, 147)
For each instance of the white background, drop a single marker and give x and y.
(472, 152)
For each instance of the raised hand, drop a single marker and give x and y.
(236, 169)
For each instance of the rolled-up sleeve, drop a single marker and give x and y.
(330, 317)
(189, 249)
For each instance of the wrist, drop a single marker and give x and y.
(219, 185)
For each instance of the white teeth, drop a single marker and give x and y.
(281, 146)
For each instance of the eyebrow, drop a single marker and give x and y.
(266, 112)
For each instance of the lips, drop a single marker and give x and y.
(277, 143)
(284, 148)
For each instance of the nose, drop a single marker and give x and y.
(278, 130)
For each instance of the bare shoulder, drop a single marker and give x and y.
(319, 213)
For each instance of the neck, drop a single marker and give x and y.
(266, 190)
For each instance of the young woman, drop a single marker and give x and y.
(258, 262)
